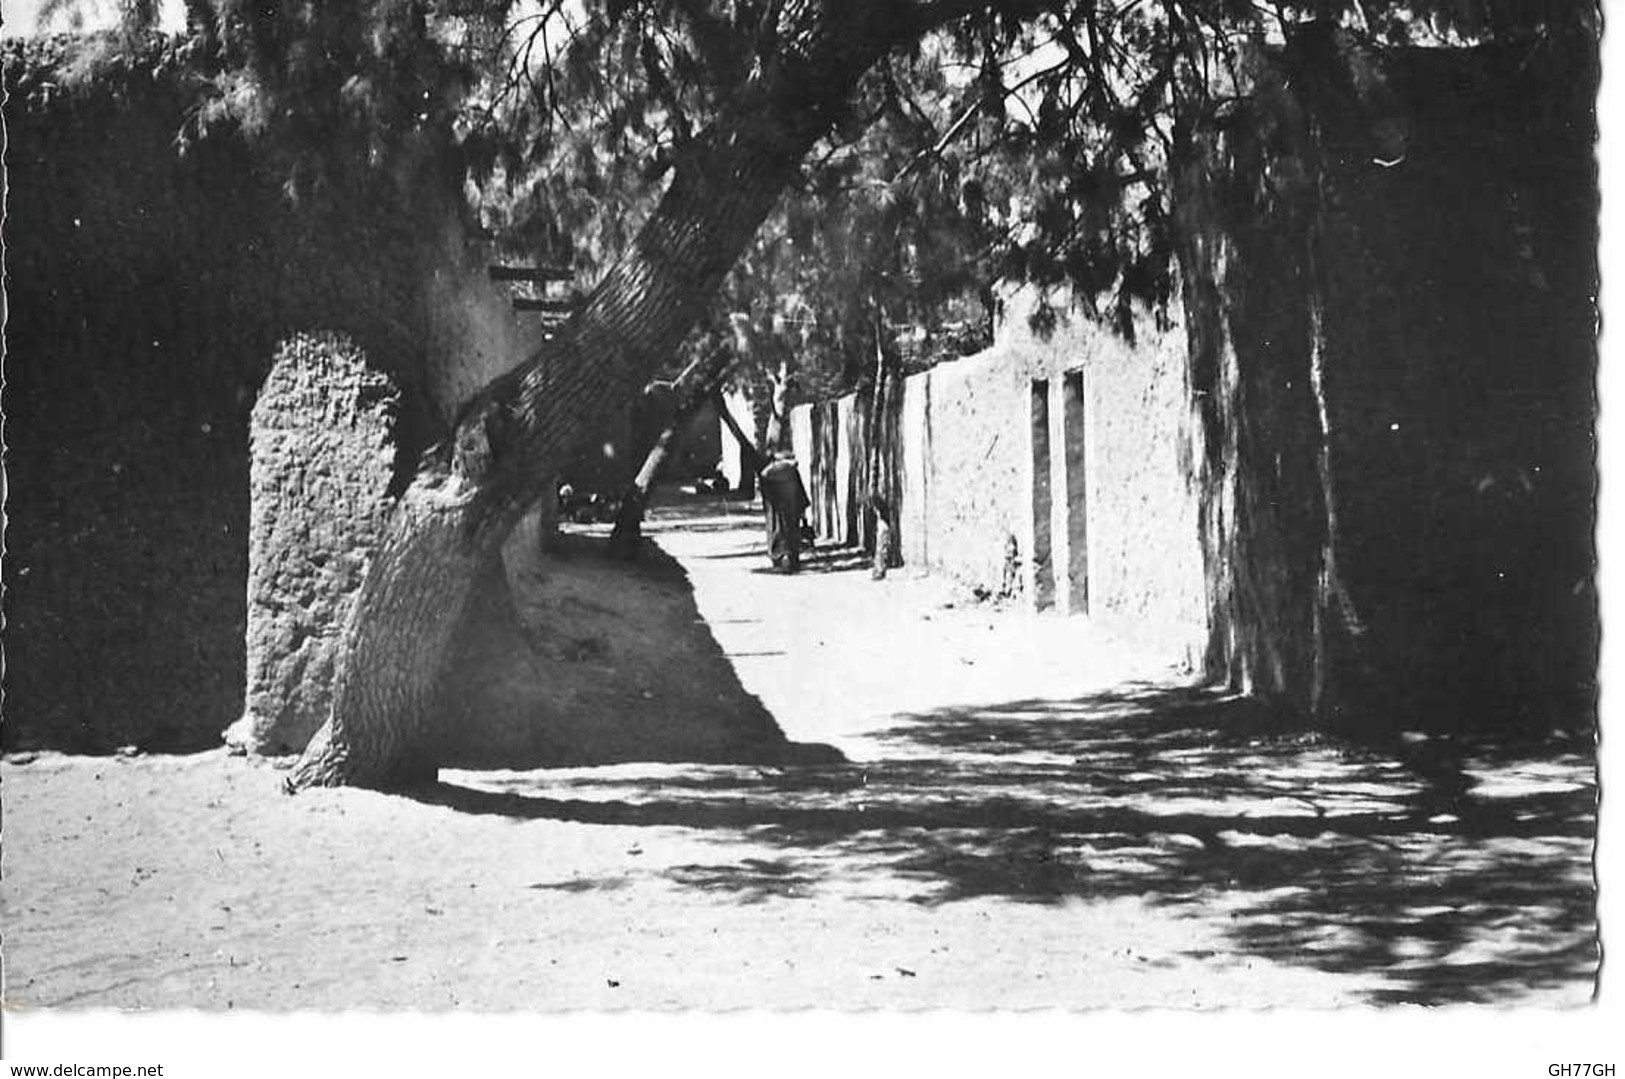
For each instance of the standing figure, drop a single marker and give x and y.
(784, 500)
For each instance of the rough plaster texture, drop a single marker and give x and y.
(977, 476)
(321, 457)
(473, 332)
(1144, 559)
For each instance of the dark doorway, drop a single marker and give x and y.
(1043, 568)
(1077, 492)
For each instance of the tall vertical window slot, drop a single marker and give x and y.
(1043, 567)
(1077, 492)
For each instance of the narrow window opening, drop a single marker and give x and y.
(1077, 492)
(1043, 568)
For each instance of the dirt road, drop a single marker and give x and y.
(1028, 816)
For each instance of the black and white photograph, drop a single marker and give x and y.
(531, 508)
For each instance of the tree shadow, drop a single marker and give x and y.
(1454, 873)
(596, 661)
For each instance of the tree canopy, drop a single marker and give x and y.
(1029, 140)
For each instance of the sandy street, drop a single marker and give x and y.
(1029, 816)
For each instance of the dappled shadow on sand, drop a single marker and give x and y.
(1450, 872)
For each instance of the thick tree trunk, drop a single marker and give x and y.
(1339, 651)
(450, 522)
(1256, 474)
(413, 601)
(1281, 626)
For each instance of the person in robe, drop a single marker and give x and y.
(784, 500)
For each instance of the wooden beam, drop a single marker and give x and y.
(538, 274)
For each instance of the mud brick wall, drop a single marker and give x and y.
(1124, 542)
(1118, 535)
(969, 494)
(322, 454)
(470, 326)
(147, 293)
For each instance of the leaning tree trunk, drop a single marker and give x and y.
(753, 460)
(698, 382)
(627, 536)
(466, 498)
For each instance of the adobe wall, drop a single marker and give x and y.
(322, 444)
(971, 494)
(1142, 561)
(471, 327)
(147, 294)
(1122, 537)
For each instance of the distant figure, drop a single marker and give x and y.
(784, 500)
(1011, 584)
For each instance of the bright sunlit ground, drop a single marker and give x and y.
(1081, 833)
